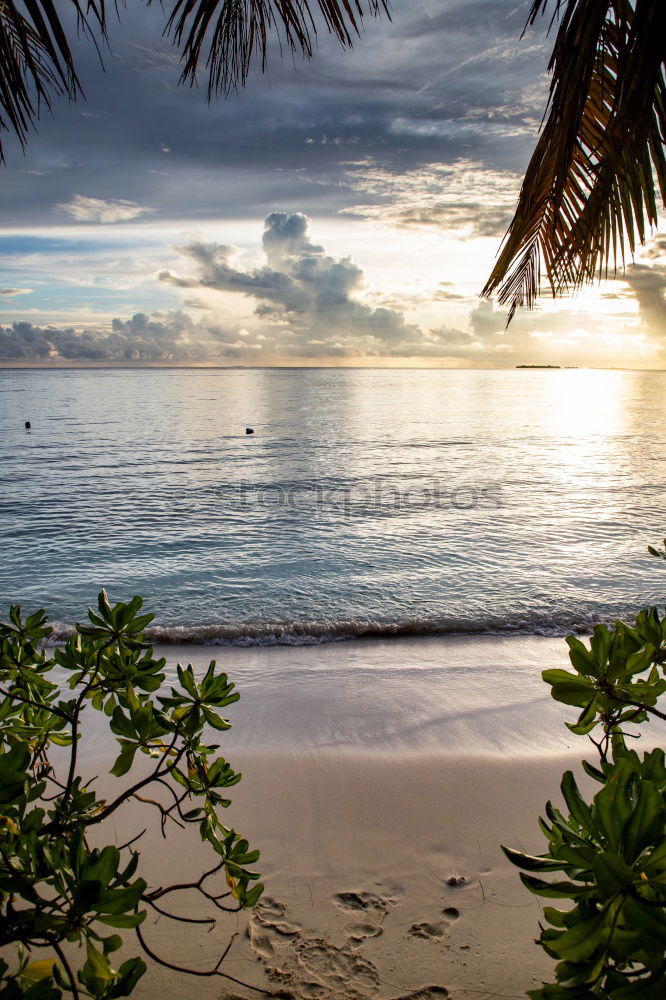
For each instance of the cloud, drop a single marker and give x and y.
(302, 305)
(308, 301)
(648, 284)
(85, 209)
(15, 291)
(645, 281)
(163, 337)
(464, 197)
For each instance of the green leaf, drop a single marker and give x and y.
(531, 863)
(587, 720)
(215, 720)
(122, 920)
(117, 901)
(612, 805)
(97, 964)
(600, 646)
(641, 660)
(552, 890)
(646, 822)
(581, 658)
(103, 864)
(555, 917)
(13, 773)
(612, 873)
(569, 688)
(125, 759)
(579, 943)
(129, 974)
(579, 809)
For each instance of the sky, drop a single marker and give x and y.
(345, 211)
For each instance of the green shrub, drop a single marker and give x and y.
(56, 891)
(610, 851)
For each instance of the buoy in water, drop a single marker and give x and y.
(249, 430)
(28, 425)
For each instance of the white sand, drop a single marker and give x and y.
(373, 772)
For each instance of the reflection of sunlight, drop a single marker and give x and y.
(585, 403)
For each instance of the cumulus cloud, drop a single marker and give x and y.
(310, 302)
(645, 281)
(159, 337)
(649, 286)
(303, 305)
(85, 209)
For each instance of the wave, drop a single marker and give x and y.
(313, 633)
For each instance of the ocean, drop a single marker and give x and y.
(366, 502)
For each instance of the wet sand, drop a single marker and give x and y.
(379, 780)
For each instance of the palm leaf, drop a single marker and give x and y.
(229, 34)
(36, 61)
(591, 187)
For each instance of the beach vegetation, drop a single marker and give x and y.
(68, 897)
(605, 859)
(593, 185)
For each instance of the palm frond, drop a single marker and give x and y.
(592, 185)
(36, 61)
(230, 34)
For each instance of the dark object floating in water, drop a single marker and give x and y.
(249, 430)
(28, 425)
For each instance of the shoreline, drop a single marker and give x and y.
(404, 695)
(374, 773)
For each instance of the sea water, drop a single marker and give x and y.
(366, 502)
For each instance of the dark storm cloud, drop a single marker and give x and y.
(444, 81)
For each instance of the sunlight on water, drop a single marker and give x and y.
(366, 501)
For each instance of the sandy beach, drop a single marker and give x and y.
(379, 779)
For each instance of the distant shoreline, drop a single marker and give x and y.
(57, 366)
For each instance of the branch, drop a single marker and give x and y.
(36, 704)
(75, 726)
(215, 971)
(155, 776)
(175, 916)
(198, 886)
(639, 705)
(72, 982)
(164, 813)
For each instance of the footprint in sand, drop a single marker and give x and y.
(359, 932)
(308, 966)
(426, 930)
(342, 970)
(434, 931)
(369, 904)
(267, 929)
(364, 901)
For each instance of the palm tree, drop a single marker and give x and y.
(591, 185)
(591, 188)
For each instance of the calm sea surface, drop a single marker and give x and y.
(366, 502)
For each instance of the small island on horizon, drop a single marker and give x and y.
(538, 366)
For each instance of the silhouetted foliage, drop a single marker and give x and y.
(611, 850)
(57, 892)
